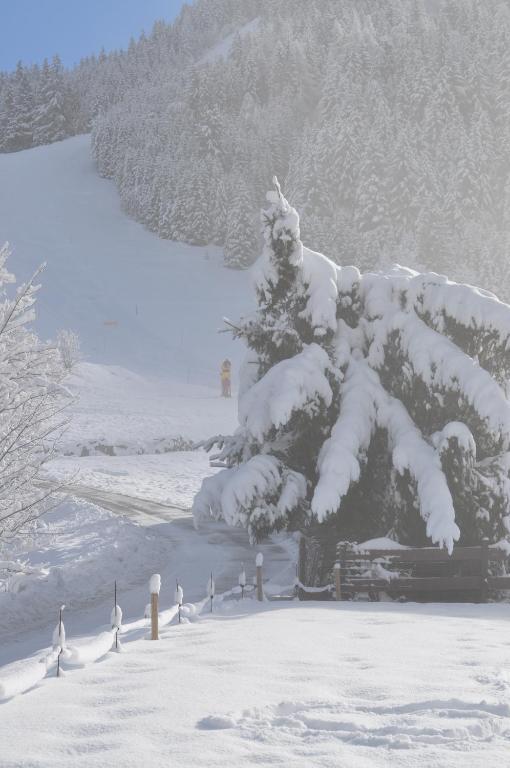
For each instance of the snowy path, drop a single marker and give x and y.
(141, 511)
(226, 549)
(179, 552)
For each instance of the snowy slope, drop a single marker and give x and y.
(167, 300)
(116, 407)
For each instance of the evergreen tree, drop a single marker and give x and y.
(50, 121)
(368, 406)
(20, 112)
(240, 230)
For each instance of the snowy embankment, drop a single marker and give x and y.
(74, 556)
(335, 692)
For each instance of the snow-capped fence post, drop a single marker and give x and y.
(211, 589)
(338, 585)
(116, 617)
(59, 638)
(259, 560)
(155, 586)
(484, 570)
(242, 581)
(179, 597)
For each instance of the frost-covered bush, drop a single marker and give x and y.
(68, 343)
(374, 403)
(32, 402)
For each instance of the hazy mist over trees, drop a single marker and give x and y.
(387, 123)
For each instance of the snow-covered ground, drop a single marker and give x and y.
(74, 556)
(131, 413)
(81, 549)
(359, 685)
(172, 478)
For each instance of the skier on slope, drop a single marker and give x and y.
(225, 372)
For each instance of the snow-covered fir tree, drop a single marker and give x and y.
(32, 405)
(374, 403)
(50, 118)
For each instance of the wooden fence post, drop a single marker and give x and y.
(155, 586)
(338, 586)
(259, 562)
(211, 589)
(484, 570)
(302, 559)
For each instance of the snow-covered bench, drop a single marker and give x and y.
(427, 573)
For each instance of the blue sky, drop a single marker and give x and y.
(34, 29)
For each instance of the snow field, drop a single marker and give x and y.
(356, 685)
(116, 407)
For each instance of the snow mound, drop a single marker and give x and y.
(89, 650)
(20, 676)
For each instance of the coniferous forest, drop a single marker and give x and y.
(387, 124)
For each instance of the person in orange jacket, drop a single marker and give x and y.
(226, 368)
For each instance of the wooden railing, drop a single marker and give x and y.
(429, 573)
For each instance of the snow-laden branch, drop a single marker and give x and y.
(443, 366)
(339, 459)
(320, 277)
(286, 388)
(471, 307)
(261, 487)
(365, 405)
(412, 453)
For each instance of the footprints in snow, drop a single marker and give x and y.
(452, 723)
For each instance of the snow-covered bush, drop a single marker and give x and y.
(68, 343)
(374, 403)
(31, 407)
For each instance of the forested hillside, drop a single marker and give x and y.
(387, 123)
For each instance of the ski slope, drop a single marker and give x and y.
(150, 305)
